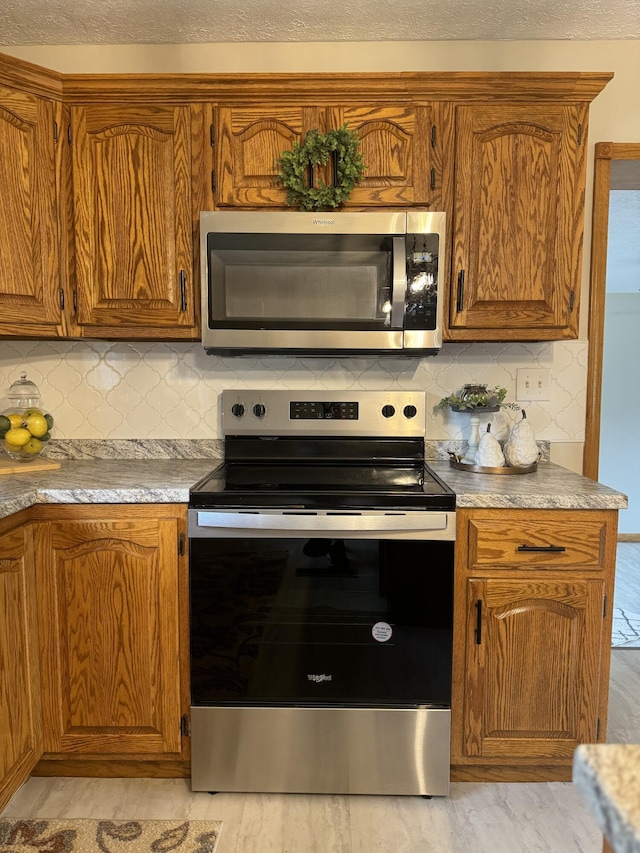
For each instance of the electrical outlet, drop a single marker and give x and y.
(532, 383)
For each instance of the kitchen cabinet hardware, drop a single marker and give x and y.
(212, 136)
(213, 180)
(571, 301)
(55, 132)
(185, 726)
(75, 300)
(311, 175)
(542, 548)
(181, 541)
(460, 299)
(478, 631)
(433, 179)
(433, 136)
(69, 134)
(183, 290)
(579, 136)
(604, 607)
(61, 299)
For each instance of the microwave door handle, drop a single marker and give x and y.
(399, 284)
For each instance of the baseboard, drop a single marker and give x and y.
(628, 537)
(110, 768)
(500, 773)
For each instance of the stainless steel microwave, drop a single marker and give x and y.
(323, 284)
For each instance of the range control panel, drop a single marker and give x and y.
(337, 413)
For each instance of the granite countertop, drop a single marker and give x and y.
(169, 481)
(608, 777)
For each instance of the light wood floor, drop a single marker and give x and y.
(627, 588)
(475, 818)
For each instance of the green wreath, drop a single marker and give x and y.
(296, 169)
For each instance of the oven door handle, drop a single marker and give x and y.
(324, 522)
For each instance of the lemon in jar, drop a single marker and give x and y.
(36, 424)
(17, 437)
(33, 446)
(15, 419)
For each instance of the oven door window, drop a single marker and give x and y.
(321, 621)
(300, 281)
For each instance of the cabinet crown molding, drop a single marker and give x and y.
(318, 88)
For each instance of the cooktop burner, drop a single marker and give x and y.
(323, 450)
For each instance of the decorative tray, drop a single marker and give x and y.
(456, 462)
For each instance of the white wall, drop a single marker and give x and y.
(614, 117)
(620, 420)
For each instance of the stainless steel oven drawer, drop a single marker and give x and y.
(321, 750)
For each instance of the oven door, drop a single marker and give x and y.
(311, 642)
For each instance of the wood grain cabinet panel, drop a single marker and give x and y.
(538, 540)
(532, 636)
(134, 220)
(110, 587)
(31, 291)
(20, 715)
(518, 221)
(406, 150)
(532, 667)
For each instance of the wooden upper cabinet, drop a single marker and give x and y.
(31, 292)
(20, 716)
(134, 220)
(249, 140)
(405, 150)
(518, 221)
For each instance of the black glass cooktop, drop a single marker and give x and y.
(355, 478)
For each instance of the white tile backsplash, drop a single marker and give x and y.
(100, 389)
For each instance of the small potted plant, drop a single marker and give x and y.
(478, 399)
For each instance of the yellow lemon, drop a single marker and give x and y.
(12, 448)
(16, 420)
(28, 412)
(36, 424)
(17, 436)
(33, 446)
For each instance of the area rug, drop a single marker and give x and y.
(108, 836)
(626, 629)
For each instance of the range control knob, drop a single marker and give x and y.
(237, 410)
(410, 412)
(388, 411)
(259, 410)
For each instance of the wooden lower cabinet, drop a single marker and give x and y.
(112, 615)
(531, 640)
(20, 718)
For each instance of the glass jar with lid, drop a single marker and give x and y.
(25, 427)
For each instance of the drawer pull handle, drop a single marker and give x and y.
(478, 631)
(544, 548)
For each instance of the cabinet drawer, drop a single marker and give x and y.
(534, 541)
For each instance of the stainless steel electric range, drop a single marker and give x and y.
(321, 589)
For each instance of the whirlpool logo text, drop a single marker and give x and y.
(319, 678)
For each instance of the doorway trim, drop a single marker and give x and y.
(605, 152)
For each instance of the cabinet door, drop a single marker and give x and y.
(31, 295)
(404, 150)
(249, 142)
(519, 210)
(20, 716)
(532, 667)
(134, 220)
(109, 593)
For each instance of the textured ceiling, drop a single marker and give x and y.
(186, 21)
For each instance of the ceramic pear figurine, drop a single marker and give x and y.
(521, 448)
(489, 453)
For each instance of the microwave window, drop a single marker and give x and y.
(311, 280)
